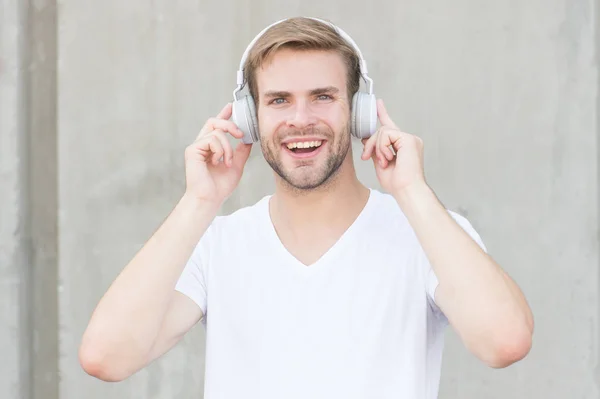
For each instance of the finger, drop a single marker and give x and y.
(227, 151)
(387, 153)
(376, 162)
(214, 147)
(380, 158)
(369, 145)
(384, 154)
(384, 144)
(242, 152)
(225, 112)
(391, 138)
(382, 113)
(221, 124)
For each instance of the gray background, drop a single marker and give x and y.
(99, 99)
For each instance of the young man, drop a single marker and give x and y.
(325, 289)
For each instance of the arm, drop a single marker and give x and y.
(141, 315)
(482, 303)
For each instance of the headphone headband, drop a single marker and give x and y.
(344, 35)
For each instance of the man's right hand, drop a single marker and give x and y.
(213, 169)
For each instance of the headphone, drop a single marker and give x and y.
(364, 106)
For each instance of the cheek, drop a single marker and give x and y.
(271, 118)
(266, 124)
(336, 115)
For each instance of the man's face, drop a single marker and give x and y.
(304, 116)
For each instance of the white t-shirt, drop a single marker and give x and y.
(360, 323)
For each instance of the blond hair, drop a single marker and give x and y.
(301, 34)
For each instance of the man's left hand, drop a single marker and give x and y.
(400, 168)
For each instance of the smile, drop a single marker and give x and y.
(304, 149)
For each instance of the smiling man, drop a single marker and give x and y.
(326, 288)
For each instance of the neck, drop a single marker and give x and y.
(335, 202)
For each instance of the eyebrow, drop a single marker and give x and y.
(313, 92)
(324, 90)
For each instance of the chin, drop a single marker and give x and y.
(307, 172)
(308, 180)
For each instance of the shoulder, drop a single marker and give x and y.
(388, 212)
(237, 226)
(241, 219)
(385, 209)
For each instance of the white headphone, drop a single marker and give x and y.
(364, 107)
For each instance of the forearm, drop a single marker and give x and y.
(481, 301)
(128, 318)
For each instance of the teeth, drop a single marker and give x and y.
(304, 144)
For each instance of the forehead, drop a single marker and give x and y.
(298, 71)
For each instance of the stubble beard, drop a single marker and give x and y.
(306, 177)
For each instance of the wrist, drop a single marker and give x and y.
(420, 205)
(194, 205)
(418, 201)
(414, 193)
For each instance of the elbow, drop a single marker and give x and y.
(509, 349)
(95, 362)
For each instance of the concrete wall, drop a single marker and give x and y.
(99, 100)
(28, 204)
(14, 260)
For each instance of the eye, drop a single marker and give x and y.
(324, 97)
(278, 100)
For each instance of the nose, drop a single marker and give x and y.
(301, 116)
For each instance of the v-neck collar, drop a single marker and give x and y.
(324, 260)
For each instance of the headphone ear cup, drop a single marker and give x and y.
(243, 114)
(364, 115)
(253, 118)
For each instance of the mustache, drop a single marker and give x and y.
(309, 131)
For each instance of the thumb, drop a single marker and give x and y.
(242, 152)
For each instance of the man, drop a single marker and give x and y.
(325, 289)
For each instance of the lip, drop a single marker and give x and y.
(305, 155)
(301, 139)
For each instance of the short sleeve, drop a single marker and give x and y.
(431, 279)
(193, 281)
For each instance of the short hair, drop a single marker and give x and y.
(303, 34)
